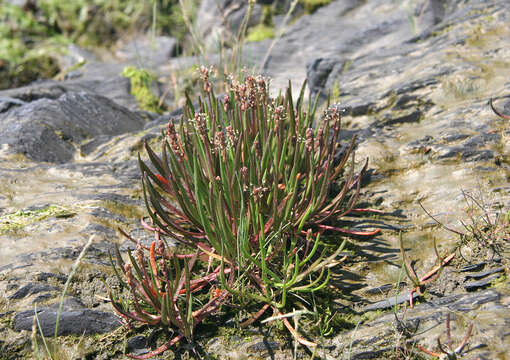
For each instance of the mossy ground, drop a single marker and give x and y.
(15, 222)
(312, 5)
(141, 88)
(260, 32)
(30, 35)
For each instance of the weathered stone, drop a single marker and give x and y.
(47, 130)
(390, 302)
(383, 289)
(102, 80)
(137, 345)
(317, 73)
(410, 118)
(151, 52)
(74, 320)
(29, 289)
(473, 267)
(485, 273)
(480, 284)
(221, 18)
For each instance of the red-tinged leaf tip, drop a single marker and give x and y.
(162, 179)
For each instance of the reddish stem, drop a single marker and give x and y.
(351, 232)
(431, 353)
(369, 210)
(255, 316)
(159, 350)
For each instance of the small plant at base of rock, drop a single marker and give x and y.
(244, 183)
(487, 230)
(431, 276)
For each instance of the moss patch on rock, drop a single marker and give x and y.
(259, 33)
(265, 29)
(15, 222)
(141, 88)
(312, 5)
(29, 33)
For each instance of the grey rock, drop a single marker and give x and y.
(480, 284)
(6, 102)
(485, 273)
(29, 289)
(74, 320)
(137, 345)
(100, 230)
(97, 78)
(148, 52)
(318, 71)
(74, 56)
(477, 155)
(481, 140)
(473, 267)
(410, 118)
(453, 136)
(263, 346)
(425, 322)
(216, 18)
(102, 213)
(339, 34)
(49, 130)
(383, 289)
(390, 302)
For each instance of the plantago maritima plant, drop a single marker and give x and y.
(431, 276)
(245, 181)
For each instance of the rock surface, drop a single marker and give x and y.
(49, 130)
(415, 83)
(73, 320)
(217, 19)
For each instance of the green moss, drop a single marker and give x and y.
(259, 33)
(264, 30)
(97, 22)
(141, 88)
(442, 31)
(15, 222)
(476, 12)
(30, 34)
(26, 70)
(21, 62)
(312, 5)
(500, 281)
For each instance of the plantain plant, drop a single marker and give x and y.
(245, 182)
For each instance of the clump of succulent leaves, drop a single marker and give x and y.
(244, 183)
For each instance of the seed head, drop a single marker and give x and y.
(309, 140)
(204, 73)
(231, 135)
(172, 138)
(226, 102)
